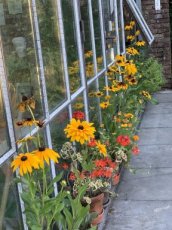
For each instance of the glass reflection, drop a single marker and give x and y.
(9, 204)
(4, 138)
(51, 50)
(70, 39)
(97, 34)
(110, 32)
(19, 54)
(86, 38)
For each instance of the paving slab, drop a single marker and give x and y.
(155, 136)
(140, 215)
(146, 184)
(163, 97)
(157, 120)
(163, 108)
(153, 156)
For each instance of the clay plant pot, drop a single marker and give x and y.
(98, 219)
(97, 203)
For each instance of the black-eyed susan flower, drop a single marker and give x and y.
(78, 105)
(29, 122)
(101, 148)
(22, 106)
(80, 131)
(26, 162)
(99, 94)
(128, 115)
(140, 43)
(128, 27)
(104, 105)
(132, 51)
(130, 68)
(46, 154)
(132, 23)
(146, 94)
(130, 38)
(122, 86)
(91, 94)
(137, 32)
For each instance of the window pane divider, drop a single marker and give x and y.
(80, 54)
(116, 26)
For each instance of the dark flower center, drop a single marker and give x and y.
(81, 127)
(41, 149)
(23, 158)
(29, 119)
(24, 98)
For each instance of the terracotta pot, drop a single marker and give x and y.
(97, 204)
(98, 219)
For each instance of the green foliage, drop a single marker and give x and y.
(152, 73)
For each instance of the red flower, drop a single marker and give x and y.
(92, 143)
(65, 165)
(78, 115)
(116, 179)
(135, 150)
(123, 140)
(72, 176)
(101, 163)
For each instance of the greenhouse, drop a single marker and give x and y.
(85, 106)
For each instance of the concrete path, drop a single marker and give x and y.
(145, 199)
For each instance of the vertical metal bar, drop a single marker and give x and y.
(94, 52)
(122, 25)
(116, 26)
(64, 55)
(43, 84)
(80, 54)
(103, 40)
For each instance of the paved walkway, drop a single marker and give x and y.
(145, 199)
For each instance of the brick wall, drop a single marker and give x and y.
(159, 23)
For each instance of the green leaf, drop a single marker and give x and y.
(55, 180)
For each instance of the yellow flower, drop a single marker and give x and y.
(47, 155)
(128, 27)
(120, 60)
(137, 32)
(79, 131)
(107, 97)
(132, 23)
(78, 105)
(22, 107)
(136, 138)
(124, 125)
(104, 104)
(130, 37)
(146, 94)
(98, 94)
(102, 148)
(130, 68)
(128, 115)
(140, 43)
(132, 51)
(99, 60)
(122, 85)
(89, 54)
(29, 122)
(25, 162)
(91, 94)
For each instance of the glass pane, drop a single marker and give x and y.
(110, 33)
(4, 138)
(49, 32)
(9, 203)
(57, 129)
(19, 55)
(94, 96)
(70, 40)
(86, 38)
(97, 34)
